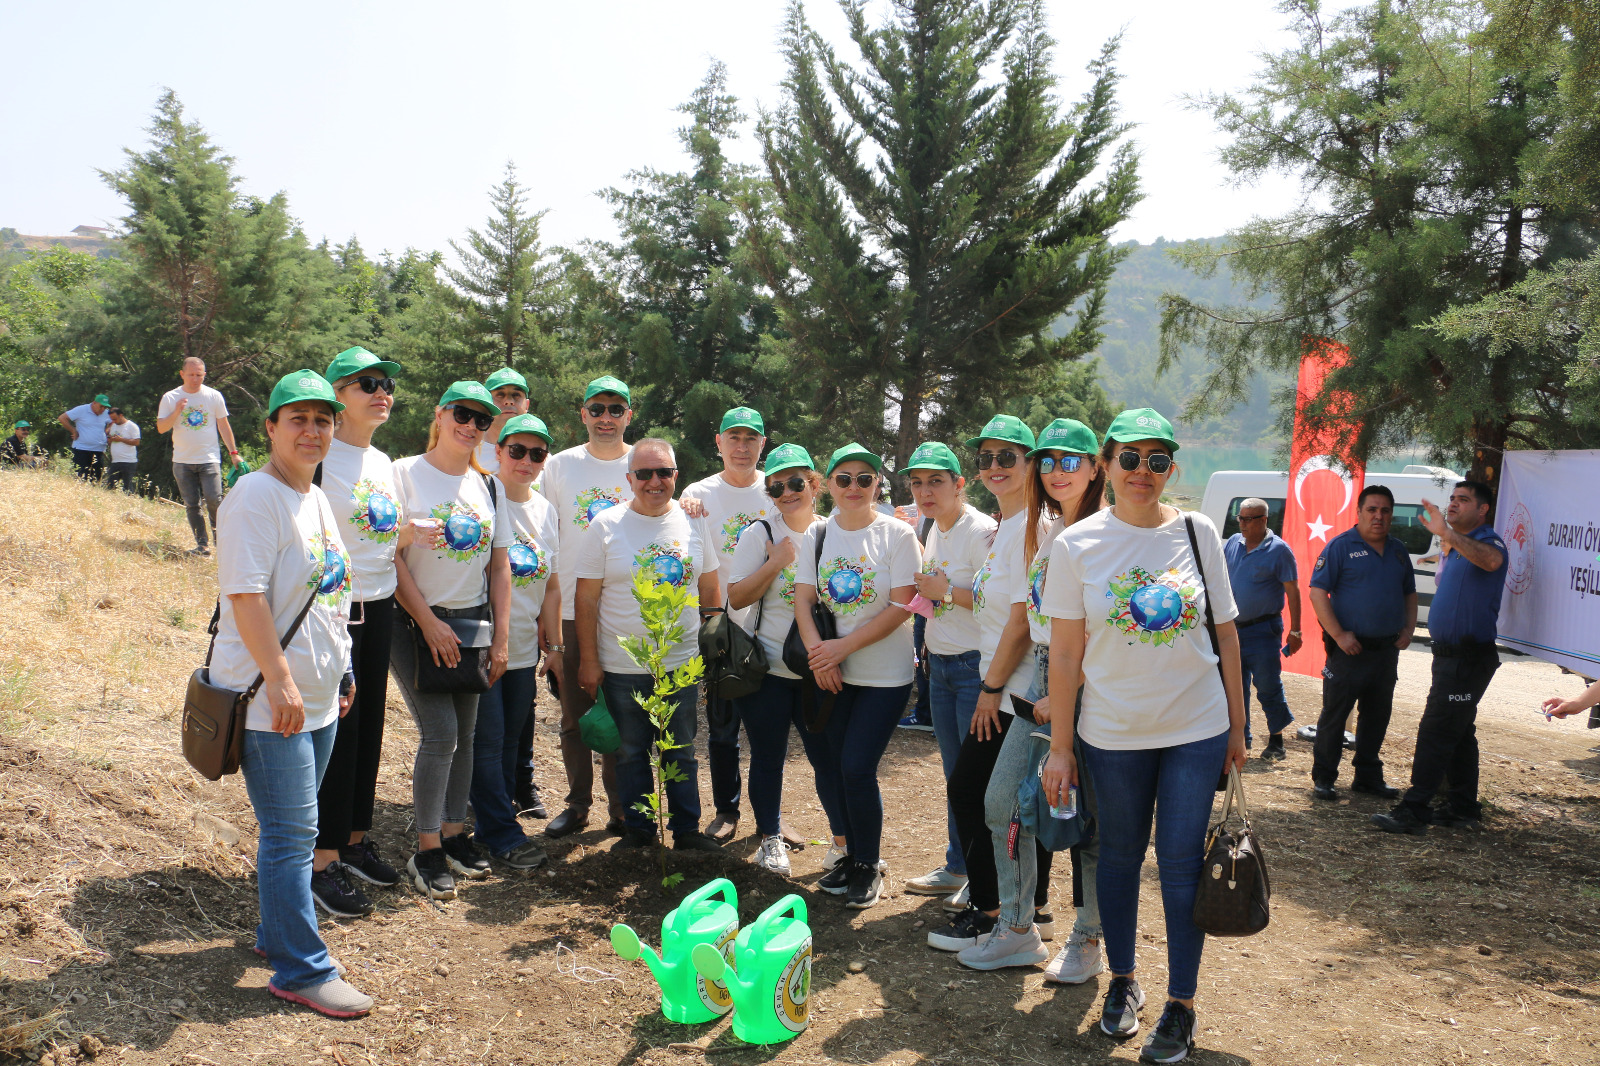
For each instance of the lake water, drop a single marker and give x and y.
(1197, 462)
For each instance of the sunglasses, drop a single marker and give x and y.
(863, 480)
(615, 410)
(651, 473)
(1158, 462)
(1007, 459)
(371, 385)
(480, 421)
(777, 488)
(1067, 464)
(1252, 518)
(519, 451)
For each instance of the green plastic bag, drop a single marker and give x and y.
(240, 469)
(598, 728)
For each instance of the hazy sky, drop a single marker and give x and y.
(390, 121)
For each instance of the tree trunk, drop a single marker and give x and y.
(909, 430)
(1489, 453)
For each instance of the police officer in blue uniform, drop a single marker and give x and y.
(1262, 573)
(1365, 597)
(1461, 621)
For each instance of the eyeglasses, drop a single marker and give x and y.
(651, 473)
(863, 480)
(519, 451)
(1158, 462)
(615, 410)
(480, 421)
(1007, 459)
(777, 488)
(1068, 463)
(371, 385)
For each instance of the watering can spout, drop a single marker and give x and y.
(714, 967)
(626, 943)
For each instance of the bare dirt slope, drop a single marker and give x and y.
(127, 895)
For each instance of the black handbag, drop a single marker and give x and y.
(1234, 895)
(816, 704)
(472, 627)
(735, 661)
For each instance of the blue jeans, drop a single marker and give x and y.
(1260, 657)
(635, 771)
(953, 696)
(1176, 786)
(282, 775)
(767, 714)
(922, 711)
(858, 732)
(502, 712)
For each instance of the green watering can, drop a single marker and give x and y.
(700, 921)
(772, 988)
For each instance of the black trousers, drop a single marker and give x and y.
(1447, 736)
(88, 465)
(1366, 680)
(344, 802)
(969, 780)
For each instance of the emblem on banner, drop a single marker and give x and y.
(1519, 538)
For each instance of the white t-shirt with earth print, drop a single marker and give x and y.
(1030, 589)
(194, 434)
(533, 553)
(777, 605)
(359, 483)
(992, 589)
(959, 553)
(729, 511)
(580, 487)
(859, 569)
(449, 565)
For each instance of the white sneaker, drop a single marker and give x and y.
(836, 852)
(958, 902)
(940, 882)
(1077, 961)
(1005, 947)
(773, 855)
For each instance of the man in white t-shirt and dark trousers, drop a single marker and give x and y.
(732, 500)
(122, 435)
(652, 531)
(196, 415)
(87, 424)
(580, 484)
(510, 392)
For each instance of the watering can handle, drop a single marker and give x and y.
(718, 886)
(790, 904)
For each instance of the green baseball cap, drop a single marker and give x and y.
(470, 390)
(607, 383)
(24, 424)
(527, 424)
(934, 456)
(1067, 435)
(787, 457)
(1142, 423)
(506, 376)
(1004, 427)
(748, 417)
(302, 385)
(103, 400)
(358, 358)
(855, 451)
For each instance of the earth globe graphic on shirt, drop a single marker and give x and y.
(524, 561)
(332, 572)
(669, 569)
(1156, 607)
(194, 418)
(463, 531)
(596, 506)
(382, 515)
(1153, 608)
(845, 586)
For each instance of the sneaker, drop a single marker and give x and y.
(970, 926)
(911, 721)
(773, 855)
(836, 854)
(1078, 960)
(335, 893)
(467, 857)
(529, 805)
(1401, 820)
(525, 856)
(338, 967)
(958, 902)
(694, 840)
(1274, 751)
(940, 882)
(430, 872)
(202, 550)
(362, 860)
(336, 998)
(1173, 1037)
(865, 886)
(1004, 947)
(1119, 1016)
(1045, 922)
(836, 882)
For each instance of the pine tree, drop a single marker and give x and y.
(942, 244)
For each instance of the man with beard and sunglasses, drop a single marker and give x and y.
(580, 483)
(732, 499)
(510, 392)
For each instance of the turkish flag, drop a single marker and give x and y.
(1323, 484)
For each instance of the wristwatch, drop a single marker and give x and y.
(949, 592)
(559, 648)
(1294, 632)
(984, 686)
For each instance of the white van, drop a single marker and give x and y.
(1227, 489)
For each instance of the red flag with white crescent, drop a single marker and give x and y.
(1323, 484)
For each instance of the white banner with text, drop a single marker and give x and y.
(1549, 517)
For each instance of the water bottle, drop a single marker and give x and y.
(1071, 809)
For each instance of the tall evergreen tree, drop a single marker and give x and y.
(939, 214)
(1413, 142)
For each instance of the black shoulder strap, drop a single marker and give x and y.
(494, 496)
(761, 604)
(1211, 626)
(316, 476)
(922, 534)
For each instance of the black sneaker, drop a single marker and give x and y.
(970, 925)
(1274, 751)
(466, 857)
(363, 861)
(1172, 1040)
(836, 882)
(337, 894)
(1401, 820)
(529, 805)
(694, 841)
(525, 856)
(430, 872)
(1119, 1016)
(865, 887)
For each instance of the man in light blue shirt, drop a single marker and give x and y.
(87, 423)
(1262, 572)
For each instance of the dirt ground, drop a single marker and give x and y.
(127, 898)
